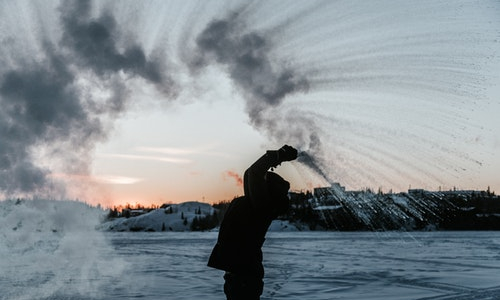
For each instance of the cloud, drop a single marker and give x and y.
(184, 151)
(233, 175)
(104, 179)
(170, 150)
(113, 179)
(167, 159)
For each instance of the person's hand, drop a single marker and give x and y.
(287, 153)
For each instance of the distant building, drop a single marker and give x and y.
(132, 212)
(334, 189)
(416, 192)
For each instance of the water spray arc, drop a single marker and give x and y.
(379, 94)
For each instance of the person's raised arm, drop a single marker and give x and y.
(254, 179)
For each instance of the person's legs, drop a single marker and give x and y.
(242, 287)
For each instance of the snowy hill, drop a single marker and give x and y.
(175, 217)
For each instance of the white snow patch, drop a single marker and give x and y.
(176, 217)
(400, 200)
(279, 225)
(328, 207)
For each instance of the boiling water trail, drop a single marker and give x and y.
(333, 193)
(392, 95)
(304, 158)
(364, 209)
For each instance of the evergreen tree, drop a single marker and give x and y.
(113, 213)
(195, 224)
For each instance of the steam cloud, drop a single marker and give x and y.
(264, 82)
(93, 43)
(246, 57)
(39, 105)
(46, 109)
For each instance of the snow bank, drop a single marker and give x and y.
(279, 225)
(57, 246)
(287, 226)
(328, 207)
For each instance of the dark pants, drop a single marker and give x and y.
(243, 287)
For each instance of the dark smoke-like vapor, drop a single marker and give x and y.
(264, 82)
(46, 111)
(94, 44)
(40, 105)
(245, 54)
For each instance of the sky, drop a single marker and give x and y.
(151, 102)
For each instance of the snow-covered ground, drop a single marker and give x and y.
(53, 252)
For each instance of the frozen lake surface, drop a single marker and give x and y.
(302, 265)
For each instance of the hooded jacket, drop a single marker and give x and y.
(243, 229)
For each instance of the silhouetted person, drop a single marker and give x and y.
(243, 229)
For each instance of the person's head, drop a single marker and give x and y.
(278, 191)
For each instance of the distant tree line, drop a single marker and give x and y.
(203, 223)
(368, 211)
(126, 211)
(415, 210)
(377, 211)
